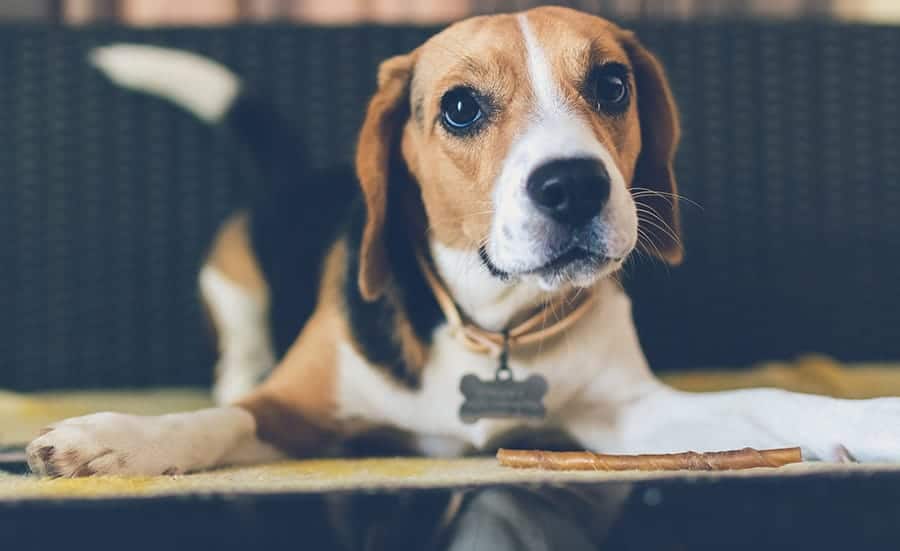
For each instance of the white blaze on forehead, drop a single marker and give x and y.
(545, 89)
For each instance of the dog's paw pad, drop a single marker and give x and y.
(97, 444)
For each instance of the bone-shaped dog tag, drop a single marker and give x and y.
(502, 398)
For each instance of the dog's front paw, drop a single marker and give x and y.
(101, 444)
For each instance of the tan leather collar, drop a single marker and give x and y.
(547, 321)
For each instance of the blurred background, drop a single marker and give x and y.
(210, 12)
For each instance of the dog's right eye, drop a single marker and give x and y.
(460, 110)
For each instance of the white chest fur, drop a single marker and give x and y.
(596, 346)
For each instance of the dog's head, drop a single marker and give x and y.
(529, 137)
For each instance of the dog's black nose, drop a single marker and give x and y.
(571, 191)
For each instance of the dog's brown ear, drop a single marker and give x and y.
(388, 110)
(660, 132)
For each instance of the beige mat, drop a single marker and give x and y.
(365, 474)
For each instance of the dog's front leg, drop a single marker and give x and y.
(122, 444)
(664, 420)
(265, 426)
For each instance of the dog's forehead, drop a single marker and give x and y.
(566, 35)
(496, 43)
(472, 45)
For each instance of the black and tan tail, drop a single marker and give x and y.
(211, 92)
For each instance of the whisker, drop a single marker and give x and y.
(663, 229)
(663, 226)
(647, 192)
(643, 192)
(643, 209)
(647, 241)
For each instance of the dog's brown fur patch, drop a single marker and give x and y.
(232, 255)
(294, 408)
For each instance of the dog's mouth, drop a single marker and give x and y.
(566, 259)
(572, 261)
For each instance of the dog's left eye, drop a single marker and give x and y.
(610, 87)
(460, 110)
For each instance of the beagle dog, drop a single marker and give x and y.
(508, 167)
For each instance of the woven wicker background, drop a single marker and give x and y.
(108, 199)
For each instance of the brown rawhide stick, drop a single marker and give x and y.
(746, 458)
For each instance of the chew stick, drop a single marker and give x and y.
(746, 458)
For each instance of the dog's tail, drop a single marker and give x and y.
(211, 92)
